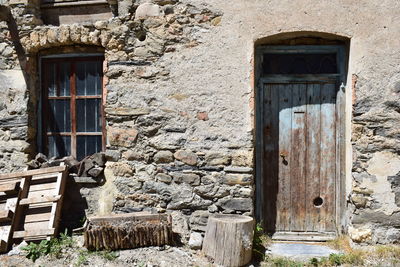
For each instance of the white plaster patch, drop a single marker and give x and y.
(108, 191)
(12, 79)
(382, 165)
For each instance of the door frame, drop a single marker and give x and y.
(340, 78)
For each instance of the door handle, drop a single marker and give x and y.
(283, 155)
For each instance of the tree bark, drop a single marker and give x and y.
(229, 239)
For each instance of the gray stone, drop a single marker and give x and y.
(164, 156)
(112, 155)
(359, 201)
(165, 178)
(211, 191)
(238, 169)
(188, 178)
(212, 209)
(184, 198)
(198, 220)
(237, 204)
(300, 252)
(195, 240)
(95, 172)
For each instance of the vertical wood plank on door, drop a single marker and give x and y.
(313, 140)
(284, 164)
(297, 177)
(328, 157)
(270, 175)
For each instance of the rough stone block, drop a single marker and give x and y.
(186, 156)
(122, 137)
(236, 204)
(242, 158)
(164, 156)
(217, 158)
(165, 178)
(121, 168)
(188, 178)
(241, 179)
(195, 240)
(146, 10)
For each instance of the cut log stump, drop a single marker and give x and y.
(229, 239)
(127, 231)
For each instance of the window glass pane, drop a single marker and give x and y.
(51, 79)
(299, 64)
(87, 145)
(65, 69)
(59, 115)
(88, 117)
(88, 80)
(59, 146)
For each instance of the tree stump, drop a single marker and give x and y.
(229, 239)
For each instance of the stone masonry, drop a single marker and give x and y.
(180, 102)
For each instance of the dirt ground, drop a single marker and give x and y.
(141, 257)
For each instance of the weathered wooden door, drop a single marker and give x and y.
(300, 154)
(300, 137)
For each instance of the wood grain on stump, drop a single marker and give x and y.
(228, 239)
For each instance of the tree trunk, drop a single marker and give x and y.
(229, 239)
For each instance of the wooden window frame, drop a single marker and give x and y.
(45, 132)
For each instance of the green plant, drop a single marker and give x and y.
(52, 247)
(35, 251)
(260, 242)
(285, 262)
(82, 258)
(109, 255)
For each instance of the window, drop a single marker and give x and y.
(72, 110)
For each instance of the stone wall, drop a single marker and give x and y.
(179, 105)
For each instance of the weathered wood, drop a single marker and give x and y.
(33, 233)
(283, 155)
(11, 187)
(313, 152)
(6, 216)
(37, 200)
(126, 231)
(228, 239)
(33, 172)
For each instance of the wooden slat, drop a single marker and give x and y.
(313, 139)
(45, 186)
(328, 158)
(38, 217)
(36, 200)
(6, 215)
(33, 172)
(137, 216)
(284, 141)
(270, 178)
(9, 187)
(297, 157)
(33, 233)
